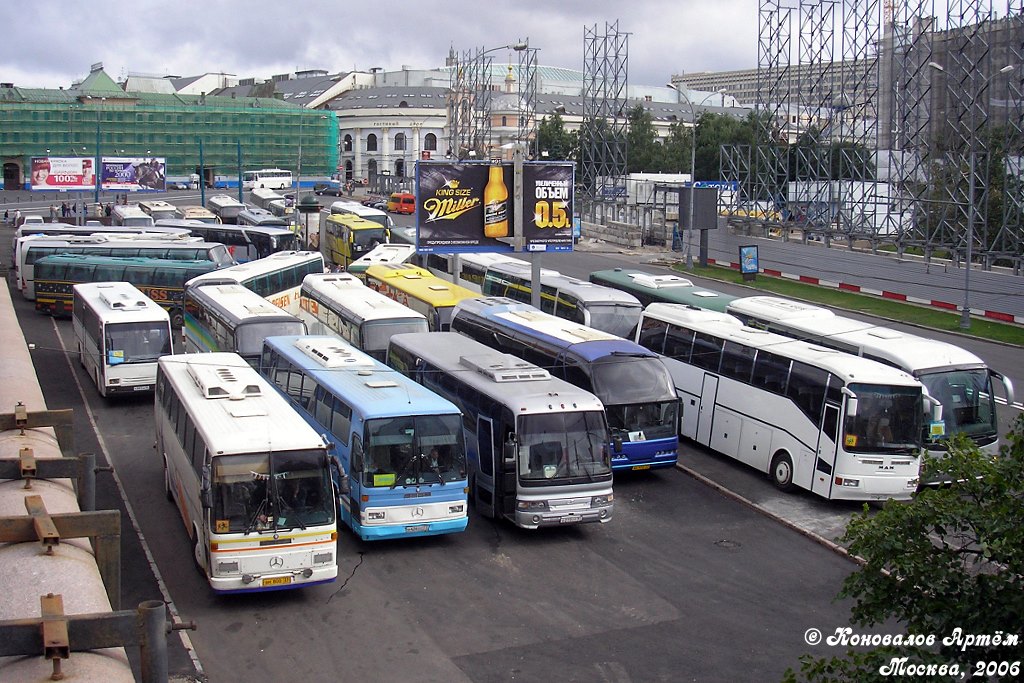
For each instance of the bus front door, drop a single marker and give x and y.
(706, 411)
(488, 464)
(825, 457)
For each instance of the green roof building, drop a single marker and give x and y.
(98, 118)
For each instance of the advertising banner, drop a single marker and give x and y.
(132, 174)
(62, 173)
(468, 206)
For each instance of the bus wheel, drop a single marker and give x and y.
(177, 319)
(197, 553)
(782, 472)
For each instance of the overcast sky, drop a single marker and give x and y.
(49, 43)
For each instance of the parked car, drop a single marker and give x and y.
(376, 203)
(328, 188)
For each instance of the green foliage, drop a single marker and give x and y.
(646, 155)
(949, 561)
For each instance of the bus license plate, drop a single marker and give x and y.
(418, 527)
(143, 387)
(570, 519)
(641, 467)
(278, 581)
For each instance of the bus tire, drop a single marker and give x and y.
(197, 553)
(177, 318)
(781, 471)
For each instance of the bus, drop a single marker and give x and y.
(197, 213)
(349, 207)
(472, 266)
(254, 216)
(184, 248)
(602, 308)
(130, 215)
(120, 333)
(282, 208)
(157, 209)
(277, 278)
(162, 280)
(382, 253)
(537, 447)
(251, 479)
(339, 303)
(344, 237)
(261, 197)
(832, 423)
(64, 230)
(225, 207)
(665, 288)
(244, 242)
(420, 290)
(398, 444)
(958, 379)
(233, 319)
(633, 384)
(269, 178)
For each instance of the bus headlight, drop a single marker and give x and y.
(376, 516)
(600, 501)
(456, 509)
(227, 567)
(852, 483)
(532, 505)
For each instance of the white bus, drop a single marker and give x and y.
(251, 479)
(225, 207)
(244, 243)
(130, 215)
(347, 206)
(472, 266)
(197, 213)
(180, 247)
(536, 446)
(840, 426)
(382, 253)
(158, 209)
(233, 319)
(954, 376)
(269, 178)
(121, 333)
(262, 197)
(339, 303)
(277, 278)
(257, 216)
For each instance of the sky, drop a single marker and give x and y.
(51, 43)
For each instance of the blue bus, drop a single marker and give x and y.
(634, 385)
(399, 445)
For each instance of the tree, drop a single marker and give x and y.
(553, 138)
(948, 563)
(645, 152)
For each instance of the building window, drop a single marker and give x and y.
(371, 143)
(347, 144)
(430, 142)
(400, 142)
(504, 120)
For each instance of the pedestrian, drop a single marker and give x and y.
(53, 213)
(7, 215)
(17, 217)
(108, 209)
(64, 209)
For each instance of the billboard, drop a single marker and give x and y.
(468, 206)
(62, 173)
(133, 173)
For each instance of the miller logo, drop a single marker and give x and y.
(449, 202)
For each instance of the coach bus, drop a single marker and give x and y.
(260, 217)
(665, 288)
(130, 215)
(234, 319)
(277, 278)
(382, 253)
(420, 290)
(602, 308)
(631, 381)
(225, 207)
(269, 178)
(835, 424)
(345, 237)
(472, 266)
(197, 213)
(537, 447)
(262, 197)
(162, 280)
(957, 378)
(349, 207)
(144, 245)
(339, 303)
(244, 242)
(120, 333)
(158, 209)
(400, 445)
(251, 479)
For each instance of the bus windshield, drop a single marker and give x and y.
(643, 421)
(617, 319)
(377, 334)
(141, 342)
(368, 239)
(968, 404)
(632, 379)
(249, 337)
(259, 492)
(411, 450)
(555, 446)
(888, 418)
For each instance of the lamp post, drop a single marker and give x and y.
(965, 311)
(693, 165)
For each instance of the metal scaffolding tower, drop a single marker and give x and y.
(603, 150)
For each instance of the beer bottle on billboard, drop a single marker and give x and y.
(495, 203)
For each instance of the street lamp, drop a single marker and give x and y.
(693, 164)
(965, 311)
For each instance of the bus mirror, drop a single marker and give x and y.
(204, 491)
(508, 452)
(1007, 386)
(617, 444)
(937, 412)
(851, 406)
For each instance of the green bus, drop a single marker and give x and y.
(663, 288)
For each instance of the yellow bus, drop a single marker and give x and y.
(346, 237)
(420, 290)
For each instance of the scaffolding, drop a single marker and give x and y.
(603, 149)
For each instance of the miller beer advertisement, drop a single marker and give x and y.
(469, 206)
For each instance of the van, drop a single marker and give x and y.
(402, 202)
